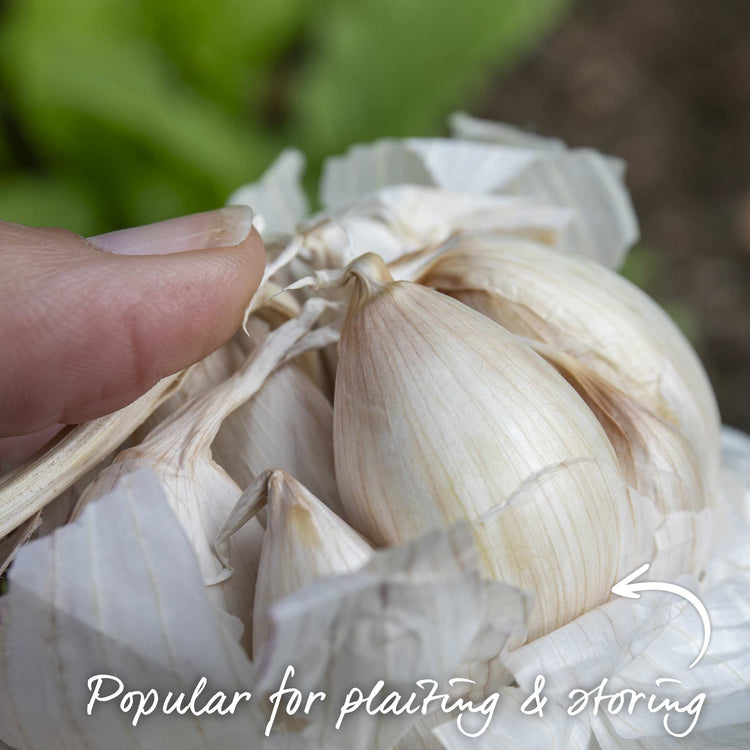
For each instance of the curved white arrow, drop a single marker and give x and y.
(627, 588)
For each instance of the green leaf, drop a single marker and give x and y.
(44, 202)
(396, 67)
(220, 46)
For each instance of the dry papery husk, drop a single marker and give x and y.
(278, 198)
(196, 380)
(454, 416)
(409, 613)
(200, 491)
(29, 488)
(390, 221)
(403, 218)
(202, 376)
(303, 540)
(587, 184)
(594, 315)
(633, 643)
(11, 543)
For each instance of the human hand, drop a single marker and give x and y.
(87, 326)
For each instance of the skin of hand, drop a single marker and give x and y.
(88, 325)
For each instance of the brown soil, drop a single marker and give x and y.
(665, 84)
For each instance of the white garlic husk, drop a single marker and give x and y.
(200, 378)
(452, 414)
(401, 219)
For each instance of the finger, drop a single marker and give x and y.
(85, 332)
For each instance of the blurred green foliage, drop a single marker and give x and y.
(120, 112)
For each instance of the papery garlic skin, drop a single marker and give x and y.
(400, 219)
(451, 415)
(201, 495)
(593, 314)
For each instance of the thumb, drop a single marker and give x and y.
(83, 332)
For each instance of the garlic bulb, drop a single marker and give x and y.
(303, 541)
(524, 455)
(594, 315)
(451, 415)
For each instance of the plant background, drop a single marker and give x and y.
(120, 112)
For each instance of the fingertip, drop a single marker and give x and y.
(91, 331)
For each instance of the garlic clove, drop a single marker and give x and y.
(303, 540)
(287, 424)
(568, 533)
(452, 414)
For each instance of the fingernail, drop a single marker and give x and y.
(224, 227)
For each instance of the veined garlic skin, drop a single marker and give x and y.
(303, 540)
(593, 314)
(201, 495)
(452, 414)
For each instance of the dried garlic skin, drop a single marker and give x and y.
(200, 378)
(201, 495)
(452, 414)
(593, 314)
